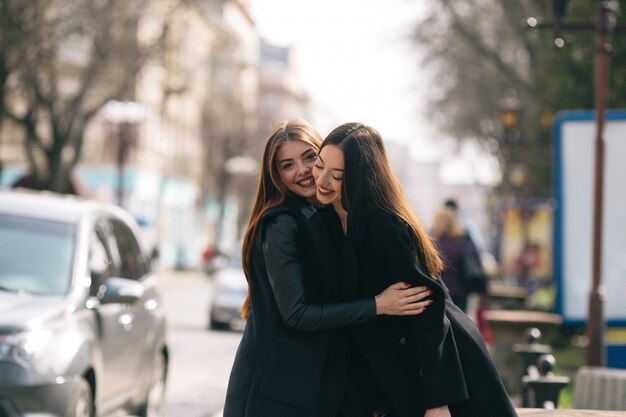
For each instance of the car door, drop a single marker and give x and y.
(115, 330)
(140, 315)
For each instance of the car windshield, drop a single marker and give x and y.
(36, 256)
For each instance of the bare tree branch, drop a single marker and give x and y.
(475, 42)
(66, 60)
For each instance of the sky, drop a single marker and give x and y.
(358, 62)
(355, 57)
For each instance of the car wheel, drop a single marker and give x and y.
(153, 406)
(81, 403)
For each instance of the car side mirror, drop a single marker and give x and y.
(120, 290)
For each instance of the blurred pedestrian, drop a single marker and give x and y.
(431, 365)
(212, 259)
(455, 247)
(453, 205)
(291, 361)
(526, 263)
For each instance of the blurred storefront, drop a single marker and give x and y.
(525, 243)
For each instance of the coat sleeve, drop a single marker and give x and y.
(438, 357)
(284, 270)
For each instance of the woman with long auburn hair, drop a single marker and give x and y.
(291, 361)
(434, 364)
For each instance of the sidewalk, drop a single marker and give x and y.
(201, 359)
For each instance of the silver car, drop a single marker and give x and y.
(230, 289)
(82, 330)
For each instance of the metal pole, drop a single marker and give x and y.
(124, 133)
(120, 165)
(596, 325)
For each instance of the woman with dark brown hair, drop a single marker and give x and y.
(291, 361)
(434, 364)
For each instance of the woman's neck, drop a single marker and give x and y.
(343, 216)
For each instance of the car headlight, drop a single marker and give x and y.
(22, 347)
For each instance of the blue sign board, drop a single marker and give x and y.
(574, 153)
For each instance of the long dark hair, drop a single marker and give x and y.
(369, 182)
(271, 191)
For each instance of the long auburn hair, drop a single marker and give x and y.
(271, 191)
(369, 182)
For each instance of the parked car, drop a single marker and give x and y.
(230, 289)
(82, 330)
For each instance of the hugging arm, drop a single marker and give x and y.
(284, 270)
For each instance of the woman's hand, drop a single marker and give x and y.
(400, 299)
(438, 412)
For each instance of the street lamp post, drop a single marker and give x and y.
(241, 165)
(605, 23)
(242, 168)
(596, 323)
(509, 108)
(124, 115)
(517, 170)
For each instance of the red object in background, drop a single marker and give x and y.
(207, 254)
(485, 331)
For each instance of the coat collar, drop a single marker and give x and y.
(322, 250)
(311, 221)
(292, 204)
(300, 205)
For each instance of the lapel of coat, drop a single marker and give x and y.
(316, 229)
(349, 248)
(313, 227)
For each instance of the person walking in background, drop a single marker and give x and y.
(457, 249)
(291, 361)
(453, 205)
(431, 365)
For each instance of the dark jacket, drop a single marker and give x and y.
(451, 249)
(433, 359)
(291, 361)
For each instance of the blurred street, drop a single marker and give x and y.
(138, 136)
(200, 358)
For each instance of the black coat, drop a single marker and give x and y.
(291, 360)
(433, 359)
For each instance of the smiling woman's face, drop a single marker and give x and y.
(328, 173)
(294, 161)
